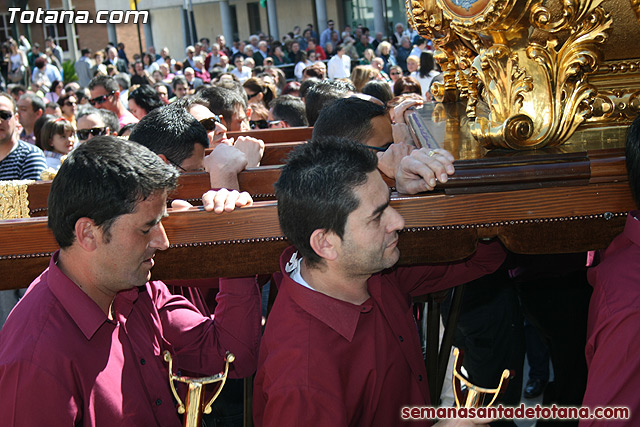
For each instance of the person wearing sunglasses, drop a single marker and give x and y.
(105, 94)
(92, 122)
(251, 148)
(69, 106)
(287, 111)
(18, 159)
(180, 139)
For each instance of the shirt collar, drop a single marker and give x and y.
(82, 309)
(339, 315)
(632, 227)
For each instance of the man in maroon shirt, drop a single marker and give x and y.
(613, 335)
(85, 344)
(341, 347)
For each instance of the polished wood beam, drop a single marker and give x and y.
(439, 227)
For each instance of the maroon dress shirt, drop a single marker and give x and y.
(326, 362)
(63, 362)
(613, 328)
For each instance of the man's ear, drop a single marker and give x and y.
(164, 158)
(87, 234)
(324, 243)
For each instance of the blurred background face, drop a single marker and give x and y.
(70, 106)
(92, 121)
(136, 110)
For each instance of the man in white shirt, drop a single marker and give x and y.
(241, 72)
(339, 66)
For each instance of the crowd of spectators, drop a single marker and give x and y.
(259, 71)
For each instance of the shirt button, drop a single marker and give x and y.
(401, 339)
(142, 361)
(158, 402)
(419, 377)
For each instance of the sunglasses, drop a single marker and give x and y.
(383, 148)
(395, 74)
(5, 115)
(260, 124)
(70, 104)
(83, 134)
(210, 123)
(251, 96)
(99, 99)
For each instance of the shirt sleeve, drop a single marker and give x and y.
(201, 343)
(613, 372)
(32, 396)
(33, 165)
(420, 280)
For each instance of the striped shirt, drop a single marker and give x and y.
(25, 161)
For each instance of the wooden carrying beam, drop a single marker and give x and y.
(249, 241)
(532, 171)
(276, 135)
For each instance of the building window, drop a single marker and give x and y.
(253, 10)
(5, 27)
(58, 32)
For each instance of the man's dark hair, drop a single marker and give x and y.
(348, 118)
(290, 109)
(323, 94)
(16, 89)
(108, 83)
(37, 103)
(146, 98)
(315, 189)
(221, 101)
(102, 179)
(378, 89)
(306, 85)
(171, 131)
(179, 80)
(632, 152)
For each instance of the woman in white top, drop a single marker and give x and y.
(18, 63)
(425, 74)
(55, 91)
(301, 63)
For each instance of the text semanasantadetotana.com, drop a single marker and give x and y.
(521, 412)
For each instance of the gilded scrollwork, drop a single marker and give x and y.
(14, 199)
(528, 61)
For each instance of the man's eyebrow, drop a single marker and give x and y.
(380, 209)
(157, 220)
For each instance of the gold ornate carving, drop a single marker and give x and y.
(14, 199)
(521, 65)
(635, 5)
